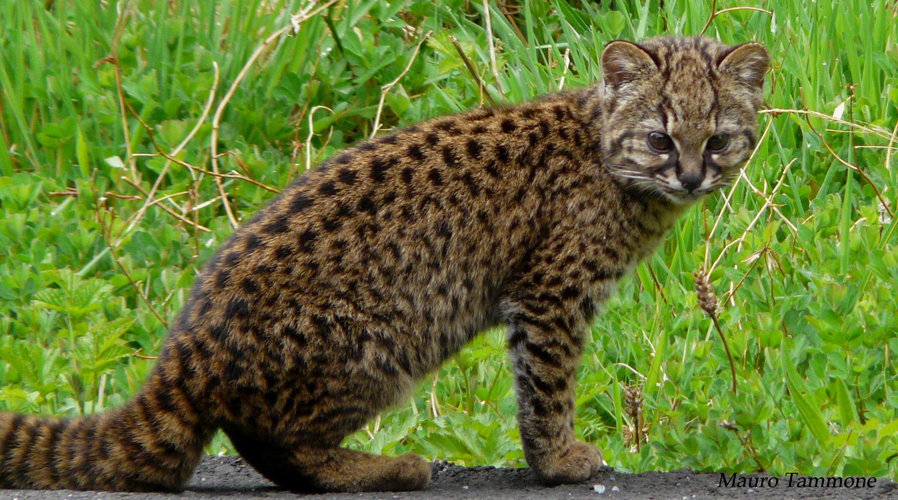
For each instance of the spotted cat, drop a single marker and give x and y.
(369, 271)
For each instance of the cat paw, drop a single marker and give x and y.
(407, 472)
(573, 465)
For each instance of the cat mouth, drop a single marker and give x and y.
(687, 198)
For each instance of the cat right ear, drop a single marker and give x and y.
(747, 63)
(623, 62)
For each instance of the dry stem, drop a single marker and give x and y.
(295, 21)
(715, 13)
(386, 88)
(492, 47)
(471, 69)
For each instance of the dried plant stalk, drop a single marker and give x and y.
(707, 300)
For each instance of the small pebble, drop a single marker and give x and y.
(599, 488)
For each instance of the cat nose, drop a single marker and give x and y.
(690, 180)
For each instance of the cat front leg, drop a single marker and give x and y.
(545, 346)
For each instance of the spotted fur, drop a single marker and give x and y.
(371, 270)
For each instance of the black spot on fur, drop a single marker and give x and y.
(474, 148)
(283, 252)
(435, 177)
(415, 153)
(252, 242)
(366, 204)
(449, 156)
(432, 139)
(280, 225)
(444, 230)
(407, 173)
(388, 139)
(468, 179)
(300, 202)
(222, 278)
(379, 170)
(449, 126)
(307, 240)
(343, 210)
(237, 308)
(347, 176)
(570, 292)
(328, 188)
(249, 286)
(330, 225)
(502, 153)
(508, 126)
(231, 259)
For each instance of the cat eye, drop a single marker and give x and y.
(660, 142)
(718, 143)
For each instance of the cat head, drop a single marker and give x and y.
(680, 114)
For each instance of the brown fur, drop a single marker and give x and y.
(369, 271)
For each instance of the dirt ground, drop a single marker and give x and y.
(230, 477)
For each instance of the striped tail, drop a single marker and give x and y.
(153, 443)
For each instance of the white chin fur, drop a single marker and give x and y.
(684, 199)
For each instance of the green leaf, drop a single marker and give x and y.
(82, 154)
(614, 22)
(804, 401)
(847, 410)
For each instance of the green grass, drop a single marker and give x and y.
(802, 256)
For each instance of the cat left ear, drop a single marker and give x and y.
(747, 63)
(623, 62)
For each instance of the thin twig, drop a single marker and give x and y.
(112, 58)
(199, 123)
(715, 13)
(170, 211)
(567, 65)
(874, 130)
(295, 22)
(107, 234)
(852, 167)
(233, 175)
(471, 69)
(492, 47)
(384, 90)
(312, 133)
(889, 155)
(768, 203)
(510, 18)
(729, 196)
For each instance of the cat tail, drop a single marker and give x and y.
(152, 443)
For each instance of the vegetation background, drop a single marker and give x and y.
(115, 116)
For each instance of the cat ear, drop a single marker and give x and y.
(623, 62)
(747, 63)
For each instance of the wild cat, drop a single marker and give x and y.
(369, 271)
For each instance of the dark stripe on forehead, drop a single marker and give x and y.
(713, 110)
(663, 106)
(708, 58)
(751, 135)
